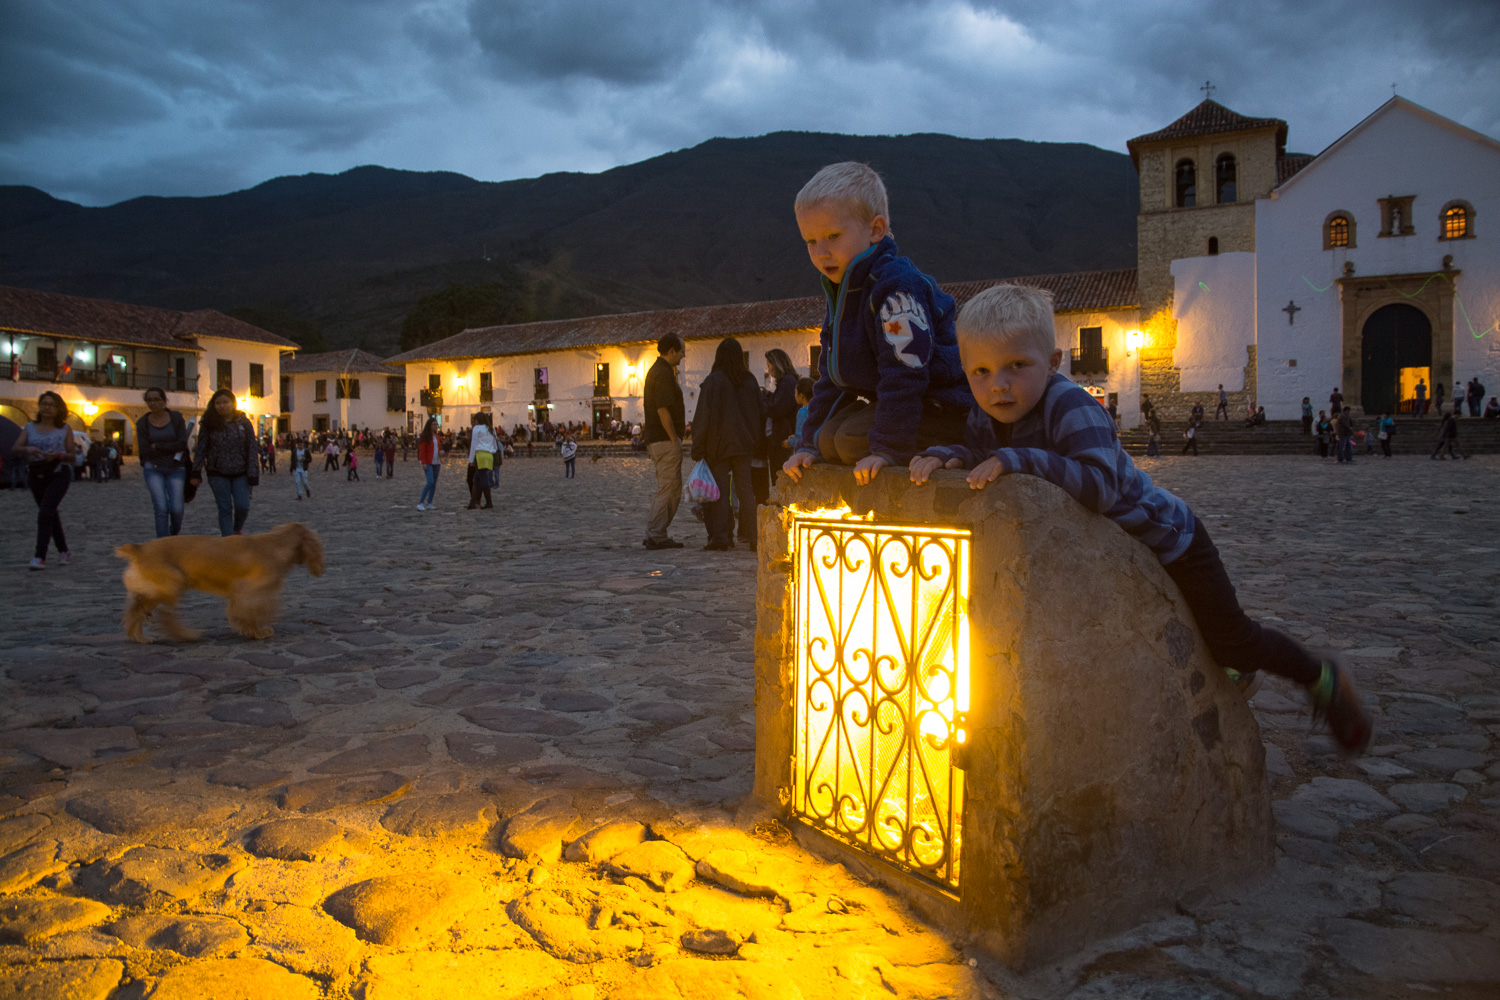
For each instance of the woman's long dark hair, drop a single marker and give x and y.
(429, 431)
(730, 359)
(211, 419)
(781, 364)
(60, 408)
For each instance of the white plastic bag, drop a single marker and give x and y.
(701, 487)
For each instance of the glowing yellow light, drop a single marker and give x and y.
(243, 402)
(1134, 339)
(88, 409)
(882, 667)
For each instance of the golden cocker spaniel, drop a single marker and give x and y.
(247, 570)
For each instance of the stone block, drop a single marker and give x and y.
(1110, 768)
(605, 841)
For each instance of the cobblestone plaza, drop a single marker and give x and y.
(371, 803)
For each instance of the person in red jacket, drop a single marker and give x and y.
(430, 456)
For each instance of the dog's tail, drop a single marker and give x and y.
(127, 551)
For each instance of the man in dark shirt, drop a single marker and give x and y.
(665, 422)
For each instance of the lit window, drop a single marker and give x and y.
(1338, 231)
(1187, 184)
(1455, 222)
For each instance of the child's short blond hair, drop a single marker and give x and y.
(1016, 314)
(855, 186)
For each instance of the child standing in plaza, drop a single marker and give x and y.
(1030, 419)
(889, 379)
(569, 454)
(351, 461)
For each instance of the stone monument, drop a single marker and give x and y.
(1095, 765)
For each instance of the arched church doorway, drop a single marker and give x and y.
(1395, 353)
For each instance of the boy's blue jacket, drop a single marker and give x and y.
(888, 336)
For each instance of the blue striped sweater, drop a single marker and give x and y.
(1069, 440)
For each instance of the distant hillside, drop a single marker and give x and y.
(353, 253)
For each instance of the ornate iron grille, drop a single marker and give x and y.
(882, 687)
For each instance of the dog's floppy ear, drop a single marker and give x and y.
(310, 549)
(127, 551)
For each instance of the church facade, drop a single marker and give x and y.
(1282, 276)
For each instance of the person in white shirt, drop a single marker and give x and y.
(484, 459)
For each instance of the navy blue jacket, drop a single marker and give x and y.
(887, 336)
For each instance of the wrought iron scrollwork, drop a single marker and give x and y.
(882, 686)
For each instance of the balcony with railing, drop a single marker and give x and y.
(1090, 363)
(540, 391)
(431, 399)
(116, 378)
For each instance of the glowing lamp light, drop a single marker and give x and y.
(882, 687)
(88, 409)
(1134, 339)
(243, 402)
(82, 356)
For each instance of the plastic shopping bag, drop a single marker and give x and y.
(701, 486)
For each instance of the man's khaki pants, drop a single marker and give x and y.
(666, 457)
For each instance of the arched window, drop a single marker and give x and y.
(1213, 245)
(1224, 175)
(1338, 231)
(1456, 221)
(1187, 184)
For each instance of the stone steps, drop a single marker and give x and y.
(1414, 436)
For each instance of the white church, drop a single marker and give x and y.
(1362, 268)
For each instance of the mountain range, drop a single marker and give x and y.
(351, 254)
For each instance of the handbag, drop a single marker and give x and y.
(1383, 436)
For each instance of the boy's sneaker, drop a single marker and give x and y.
(1248, 684)
(1335, 698)
(421, 506)
(63, 558)
(38, 563)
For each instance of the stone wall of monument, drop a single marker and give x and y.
(1163, 383)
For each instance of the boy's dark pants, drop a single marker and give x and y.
(843, 437)
(1236, 642)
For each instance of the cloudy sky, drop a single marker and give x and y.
(103, 100)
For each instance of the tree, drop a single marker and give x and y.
(460, 307)
(284, 323)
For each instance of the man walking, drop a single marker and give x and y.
(665, 422)
(1223, 407)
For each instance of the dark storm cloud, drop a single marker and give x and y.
(102, 101)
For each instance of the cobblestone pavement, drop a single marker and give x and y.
(371, 803)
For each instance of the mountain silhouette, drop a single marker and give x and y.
(354, 252)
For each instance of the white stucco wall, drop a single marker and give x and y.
(262, 410)
(366, 411)
(1124, 375)
(1214, 305)
(570, 376)
(1400, 153)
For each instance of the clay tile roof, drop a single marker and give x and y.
(73, 317)
(351, 360)
(1209, 118)
(1290, 164)
(1075, 291)
(694, 323)
(212, 323)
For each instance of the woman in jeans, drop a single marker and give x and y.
(161, 438)
(227, 451)
(47, 444)
(430, 455)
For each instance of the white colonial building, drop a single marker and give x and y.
(337, 390)
(1363, 268)
(593, 369)
(101, 356)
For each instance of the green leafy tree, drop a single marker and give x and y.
(459, 307)
(284, 323)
